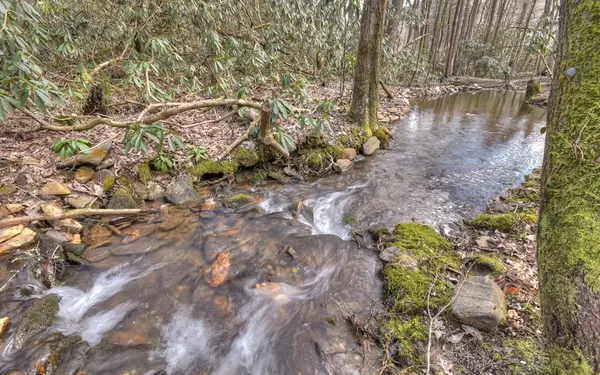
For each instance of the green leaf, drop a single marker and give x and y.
(39, 102)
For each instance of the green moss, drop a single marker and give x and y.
(528, 357)
(351, 220)
(314, 159)
(410, 336)
(534, 87)
(236, 201)
(377, 232)
(254, 175)
(494, 264)
(335, 151)
(502, 222)
(123, 198)
(144, 173)
(108, 182)
(567, 361)
(384, 135)
(406, 289)
(419, 236)
(246, 157)
(279, 177)
(213, 168)
(39, 317)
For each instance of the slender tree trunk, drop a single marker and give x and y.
(365, 96)
(453, 40)
(569, 231)
(490, 20)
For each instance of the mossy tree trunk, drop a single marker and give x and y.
(569, 232)
(365, 95)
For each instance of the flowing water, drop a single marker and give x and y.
(221, 294)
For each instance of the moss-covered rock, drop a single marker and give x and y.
(315, 159)
(246, 158)
(123, 198)
(410, 336)
(502, 222)
(108, 182)
(278, 176)
(527, 356)
(351, 220)
(144, 173)
(38, 318)
(419, 236)
(253, 176)
(213, 168)
(384, 135)
(236, 201)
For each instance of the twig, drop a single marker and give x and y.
(76, 213)
(237, 142)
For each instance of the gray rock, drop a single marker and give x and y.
(390, 254)
(344, 165)
(499, 207)
(370, 146)
(155, 191)
(79, 201)
(76, 249)
(394, 255)
(181, 191)
(479, 302)
(348, 153)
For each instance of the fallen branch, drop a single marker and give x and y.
(386, 89)
(103, 65)
(76, 213)
(237, 142)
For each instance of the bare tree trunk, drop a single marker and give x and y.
(453, 40)
(569, 230)
(490, 20)
(365, 96)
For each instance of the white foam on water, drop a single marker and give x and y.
(186, 343)
(75, 303)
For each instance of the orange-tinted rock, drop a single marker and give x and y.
(3, 325)
(221, 304)
(216, 274)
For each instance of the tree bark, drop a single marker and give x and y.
(569, 231)
(365, 95)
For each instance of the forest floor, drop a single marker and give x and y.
(499, 244)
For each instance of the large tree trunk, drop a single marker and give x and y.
(569, 232)
(365, 95)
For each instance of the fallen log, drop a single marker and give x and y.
(76, 213)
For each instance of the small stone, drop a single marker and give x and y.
(216, 274)
(182, 191)
(499, 207)
(84, 174)
(22, 179)
(15, 208)
(96, 155)
(26, 237)
(291, 252)
(79, 201)
(479, 302)
(76, 240)
(278, 176)
(348, 153)
(8, 233)
(140, 190)
(155, 191)
(483, 242)
(171, 222)
(344, 165)
(122, 199)
(106, 179)
(3, 325)
(76, 249)
(370, 146)
(6, 190)
(55, 188)
(28, 160)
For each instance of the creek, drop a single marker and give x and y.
(222, 293)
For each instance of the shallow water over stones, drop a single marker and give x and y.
(221, 292)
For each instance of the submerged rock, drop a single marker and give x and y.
(38, 318)
(348, 153)
(216, 274)
(182, 191)
(236, 201)
(370, 146)
(479, 302)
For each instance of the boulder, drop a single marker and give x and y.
(79, 201)
(122, 199)
(370, 146)
(479, 302)
(348, 153)
(26, 237)
(344, 165)
(38, 318)
(56, 189)
(182, 191)
(84, 174)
